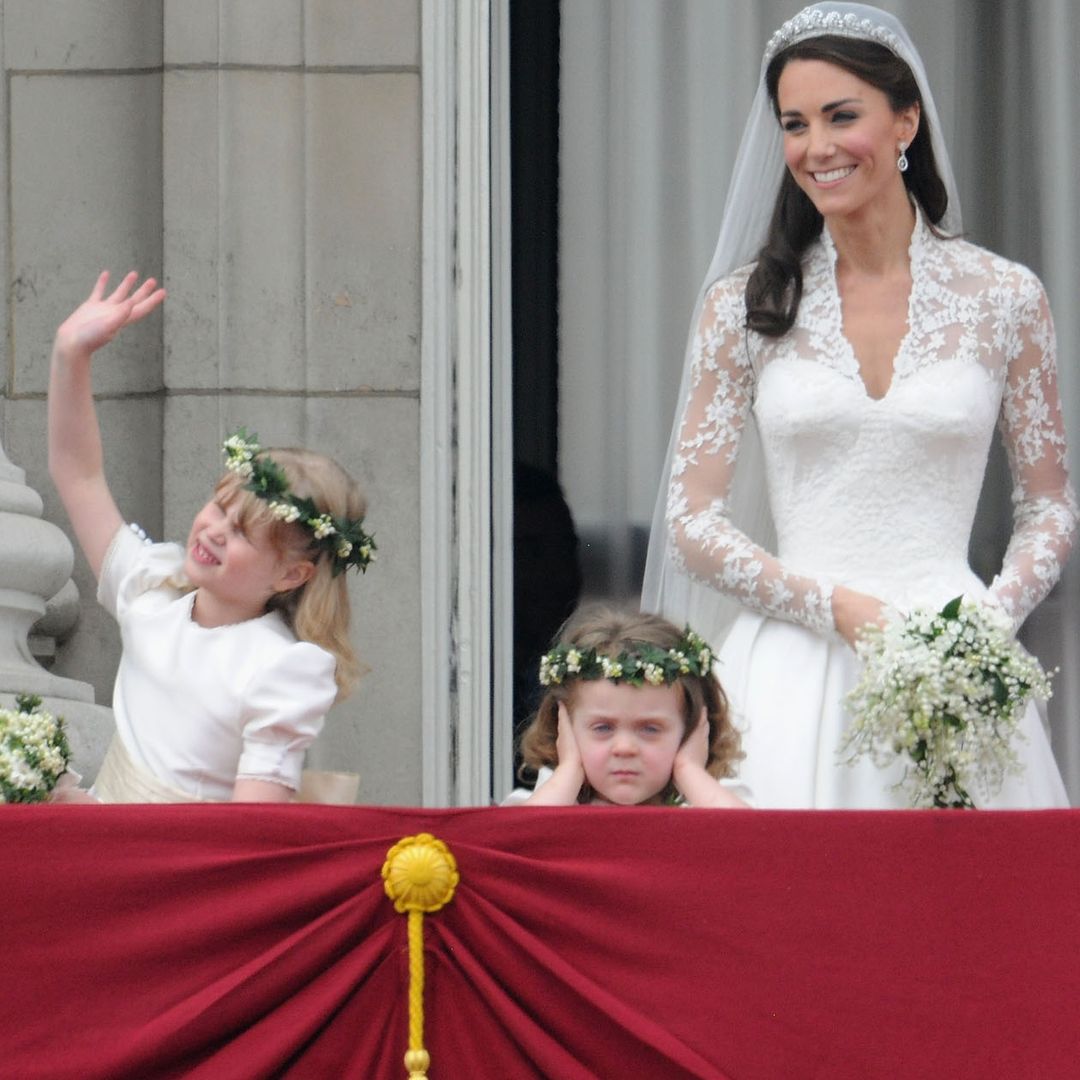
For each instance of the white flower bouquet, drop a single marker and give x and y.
(944, 692)
(34, 751)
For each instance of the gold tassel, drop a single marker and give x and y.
(419, 875)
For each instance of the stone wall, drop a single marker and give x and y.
(263, 157)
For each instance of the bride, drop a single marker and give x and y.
(859, 364)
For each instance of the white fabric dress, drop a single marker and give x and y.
(875, 494)
(200, 707)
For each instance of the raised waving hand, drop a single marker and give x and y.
(75, 457)
(99, 318)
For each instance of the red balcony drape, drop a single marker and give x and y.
(241, 941)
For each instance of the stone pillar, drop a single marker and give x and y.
(35, 567)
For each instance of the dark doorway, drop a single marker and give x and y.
(547, 578)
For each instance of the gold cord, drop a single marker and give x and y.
(419, 875)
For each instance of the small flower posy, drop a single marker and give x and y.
(343, 539)
(645, 664)
(34, 751)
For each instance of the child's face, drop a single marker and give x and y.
(628, 737)
(235, 571)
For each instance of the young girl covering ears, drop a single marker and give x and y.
(633, 716)
(234, 645)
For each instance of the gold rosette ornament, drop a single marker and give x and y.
(419, 875)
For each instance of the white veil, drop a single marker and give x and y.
(754, 184)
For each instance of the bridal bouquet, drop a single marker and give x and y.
(34, 751)
(944, 692)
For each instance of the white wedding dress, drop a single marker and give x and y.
(875, 494)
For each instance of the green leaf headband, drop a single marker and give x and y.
(343, 539)
(645, 664)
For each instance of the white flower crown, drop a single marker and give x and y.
(643, 664)
(344, 540)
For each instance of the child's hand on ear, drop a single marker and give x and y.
(566, 745)
(696, 785)
(564, 785)
(694, 752)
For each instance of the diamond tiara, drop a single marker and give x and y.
(813, 22)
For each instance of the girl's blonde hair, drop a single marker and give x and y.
(612, 630)
(318, 610)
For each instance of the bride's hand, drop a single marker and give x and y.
(853, 611)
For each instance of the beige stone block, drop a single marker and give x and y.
(363, 231)
(191, 190)
(191, 31)
(234, 201)
(85, 168)
(239, 170)
(266, 32)
(377, 731)
(82, 34)
(261, 269)
(361, 33)
(332, 33)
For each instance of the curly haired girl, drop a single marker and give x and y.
(633, 716)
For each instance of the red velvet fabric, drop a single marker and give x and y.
(232, 941)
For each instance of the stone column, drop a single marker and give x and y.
(36, 588)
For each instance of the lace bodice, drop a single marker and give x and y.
(878, 494)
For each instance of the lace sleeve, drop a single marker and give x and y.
(707, 545)
(1044, 505)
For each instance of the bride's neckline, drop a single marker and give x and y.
(852, 361)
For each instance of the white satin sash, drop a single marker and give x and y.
(123, 780)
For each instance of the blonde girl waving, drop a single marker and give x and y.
(235, 644)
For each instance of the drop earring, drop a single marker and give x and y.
(902, 161)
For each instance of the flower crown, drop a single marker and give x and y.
(813, 22)
(343, 539)
(643, 664)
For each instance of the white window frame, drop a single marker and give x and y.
(465, 436)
